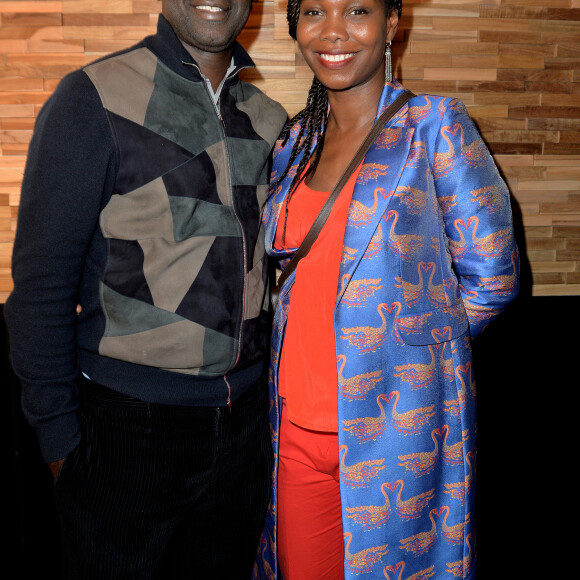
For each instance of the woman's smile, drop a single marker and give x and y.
(335, 60)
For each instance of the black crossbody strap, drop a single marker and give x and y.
(320, 220)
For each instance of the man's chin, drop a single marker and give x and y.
(208, 48)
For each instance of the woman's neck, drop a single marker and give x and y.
(355, 108)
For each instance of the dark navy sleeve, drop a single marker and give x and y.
(69, 167)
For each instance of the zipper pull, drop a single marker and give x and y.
(229, 400)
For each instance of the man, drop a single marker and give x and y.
(141, 202)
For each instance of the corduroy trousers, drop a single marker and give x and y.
(164, 492)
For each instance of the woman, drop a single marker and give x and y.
(373, 395)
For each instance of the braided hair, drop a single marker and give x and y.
(313, 118)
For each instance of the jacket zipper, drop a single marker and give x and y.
(244, 249)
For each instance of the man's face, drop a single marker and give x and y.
(207, 25)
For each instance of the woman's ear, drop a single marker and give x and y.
(392, 24)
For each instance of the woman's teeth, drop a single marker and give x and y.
(336, 57)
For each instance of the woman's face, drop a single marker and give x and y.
(343, 41)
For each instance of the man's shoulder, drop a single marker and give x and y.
(253, 100)
(268, 116)
(136, 56)
(116, 54)
(79, 81)
(254, 91)
(74, 94)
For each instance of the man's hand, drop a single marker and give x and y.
(55, 466)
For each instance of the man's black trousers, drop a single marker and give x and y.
(165, 492)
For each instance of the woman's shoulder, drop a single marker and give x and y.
(427, 107)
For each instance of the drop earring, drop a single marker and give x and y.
(388, 73)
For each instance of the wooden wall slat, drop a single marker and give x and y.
(514, 63)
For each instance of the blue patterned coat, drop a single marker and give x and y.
(429, 259)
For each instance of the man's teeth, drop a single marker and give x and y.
(210, 8)
(336, 57)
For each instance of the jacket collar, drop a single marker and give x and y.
(390, 92)
(169, 49)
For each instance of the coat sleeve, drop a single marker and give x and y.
(476, 208)
(68, 168)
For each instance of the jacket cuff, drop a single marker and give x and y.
(59, 438)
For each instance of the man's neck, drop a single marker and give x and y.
(213, 65)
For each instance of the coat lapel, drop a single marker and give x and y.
(374, 188)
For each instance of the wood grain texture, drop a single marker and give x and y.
(515, 64)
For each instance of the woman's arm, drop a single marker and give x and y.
(476, 208)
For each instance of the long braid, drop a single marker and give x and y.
(312, 120)
(307, 116)
(292, 15)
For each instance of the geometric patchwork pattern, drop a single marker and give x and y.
(184, 276)
(144, 154)
(212, 299)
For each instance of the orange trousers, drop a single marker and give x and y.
(310, 541)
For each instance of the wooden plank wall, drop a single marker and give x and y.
(515, 63)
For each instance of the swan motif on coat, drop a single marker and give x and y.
(488, 246)
(459, 490)
(463, 567)
(422, 462)
(421, 575)
(411, 421)
(443, 162)
(371, 516)
(453, 453)
(368, 428)
(454, 533)
(356, 387)
(406, 245)
(364, 560)
(412, 291)
(503, 284)
(357, 293)
(360, 213)
(411, 508)
(435, 292)
(418, 375)
(422, 542)
(475, 153)
(358, 474)
(367, 338)
(490, 197)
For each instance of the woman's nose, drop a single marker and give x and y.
(333, 29)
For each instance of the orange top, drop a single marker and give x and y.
(307, 377)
